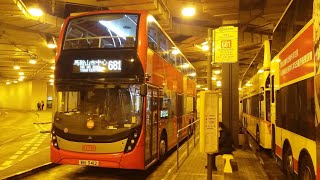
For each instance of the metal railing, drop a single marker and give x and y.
(195, 133)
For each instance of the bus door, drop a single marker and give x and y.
(152, 118)
(179, 113)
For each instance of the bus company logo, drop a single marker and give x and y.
(89, 147)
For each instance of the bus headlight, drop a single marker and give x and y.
(132, 139)
(54, 139)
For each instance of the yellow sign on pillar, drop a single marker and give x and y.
(225, 44)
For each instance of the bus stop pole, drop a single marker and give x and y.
(209, 84)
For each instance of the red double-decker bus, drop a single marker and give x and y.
(122, 90)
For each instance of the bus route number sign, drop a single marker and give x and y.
(96, 66)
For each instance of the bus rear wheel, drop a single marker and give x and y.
(163, 148)
(306, 169)
(288, 163)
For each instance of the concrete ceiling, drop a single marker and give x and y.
(23, 37)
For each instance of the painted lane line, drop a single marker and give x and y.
(14, 157)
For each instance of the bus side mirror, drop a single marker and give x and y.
(143, 90)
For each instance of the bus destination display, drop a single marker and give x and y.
(96, 66)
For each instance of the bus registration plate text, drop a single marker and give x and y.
(88, 163)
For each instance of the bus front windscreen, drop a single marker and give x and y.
(102, 31)
(98, 110)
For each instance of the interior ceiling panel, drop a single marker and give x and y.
(23, 37)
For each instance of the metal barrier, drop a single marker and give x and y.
(195, 133)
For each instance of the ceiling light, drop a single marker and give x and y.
(150, 18)
(205, 89)
(185, 65)
(188, 11)
(193, 74)
(51, 80)
(51, 83)
(198, 86)
(52, 67)
(213, 78)
(16, 67)
(51, 45)
(205, 48)
(20, 79)
(7, 83)
(175, 51)
(217, 72)
(260, 71)
(32, 61)
(35, 11)
(15, 81)
(21, 73)
(240, 89)
(52, 76)
(51, 42)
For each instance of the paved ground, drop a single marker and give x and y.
(24, 138)
(26, 147)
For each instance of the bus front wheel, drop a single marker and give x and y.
(306, 169)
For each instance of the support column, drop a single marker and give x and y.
(230, 99)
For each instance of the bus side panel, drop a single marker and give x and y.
(298, 144)
(265, 131)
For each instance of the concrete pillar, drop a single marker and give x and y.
(230, 99)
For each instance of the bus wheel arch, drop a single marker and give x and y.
(163, 145)
(305, 167)
(287, 159)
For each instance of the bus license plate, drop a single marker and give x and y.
(88, 163)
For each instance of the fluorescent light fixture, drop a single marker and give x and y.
(35, 12)
(175, 51)
(52, 76)
(150, 18)
(260, 71)
(114, 28)
(185, 65)
(32, 61)
(51, 83)
(51, 45)
(189, 11)
(21, 77)
(16, 67)
(52, 67)
(7, 83)
(213, 78)
(15, 81)
(198, 86)
(217, 72)
(21, 73)
(205, 48)
(51, 80)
